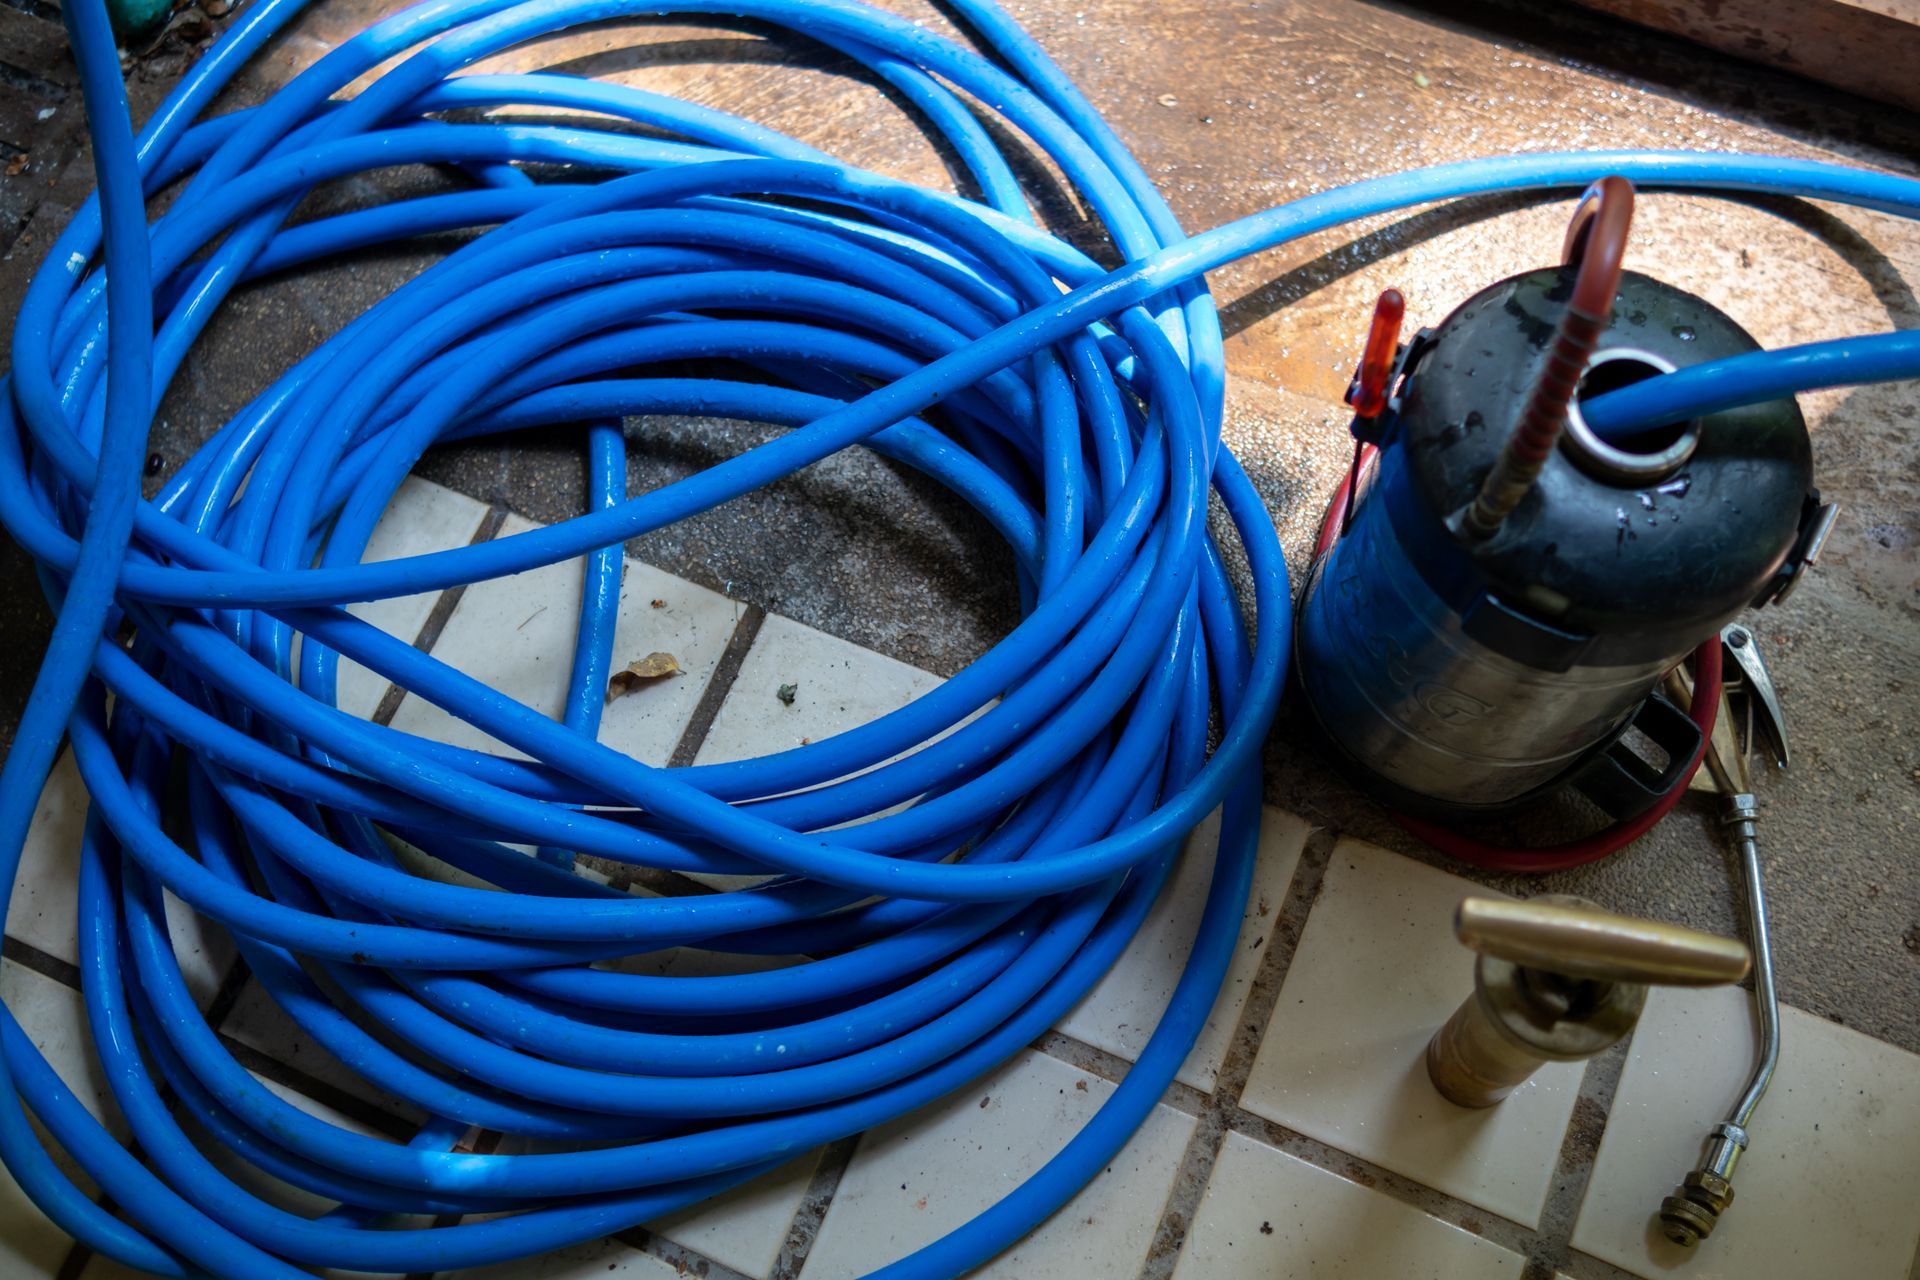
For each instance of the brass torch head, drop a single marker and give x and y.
(1574, 938)
(1559, 980)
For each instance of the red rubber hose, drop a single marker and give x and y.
(1596, 244)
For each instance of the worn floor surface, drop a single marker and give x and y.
(1233, 108)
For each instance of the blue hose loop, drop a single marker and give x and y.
(959, 872)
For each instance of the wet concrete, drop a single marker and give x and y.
(1233, 108)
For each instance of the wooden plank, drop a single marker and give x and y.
(1868, 47)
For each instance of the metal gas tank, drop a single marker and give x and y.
(1462, 677)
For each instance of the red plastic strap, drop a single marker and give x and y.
(1574, 853)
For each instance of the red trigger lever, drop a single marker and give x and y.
(1367, 393)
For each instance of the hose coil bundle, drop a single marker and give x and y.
(958, 872)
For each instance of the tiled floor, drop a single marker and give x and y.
(1302, 1138)
(1269, 1214)
(1834, 1169)
(914, 1180)
(1380, 939)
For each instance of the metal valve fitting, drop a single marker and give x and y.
(1557, 979)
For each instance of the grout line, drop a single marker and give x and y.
(438, 616)
(1111, 1067)
(1203, 1148)
(1190, 1183)
(1574, 1169)
(229, 992)
(75, 1263)
(725, 672)
(1581, 1266)
(665, 884)
(684, 1261)
(671, 884)
(1516, 1237)
(80, 1256)
(368, 1113)
(28, 956)
(805, 1227)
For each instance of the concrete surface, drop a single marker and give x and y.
(1232, 108)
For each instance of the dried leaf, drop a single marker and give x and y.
(655, 666)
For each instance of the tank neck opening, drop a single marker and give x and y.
(1643, 458)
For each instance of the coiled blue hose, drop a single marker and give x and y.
(1083, 426)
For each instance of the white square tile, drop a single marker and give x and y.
(1343, 1058)
(258, 1022)
(54, 1017)
(837, 686)
(600, 1260)
(271, 1189)
(1123, 1008)
(743, 1229)
(746, 1227)
(265, 1185)
(517, 634)
(914, 1180)
(1269, 1216)
(422, 517)
(202, 947)
(31, 1247)
(42, 913)
(1831, 1183)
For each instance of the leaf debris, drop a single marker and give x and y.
(655, 666)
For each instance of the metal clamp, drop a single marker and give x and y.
(1816, 523)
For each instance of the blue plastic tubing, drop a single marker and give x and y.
(952, 901)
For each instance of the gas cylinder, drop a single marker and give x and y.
(1462, 676)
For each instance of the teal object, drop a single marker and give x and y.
(137, 17)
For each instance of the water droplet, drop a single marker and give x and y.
(1684, 332)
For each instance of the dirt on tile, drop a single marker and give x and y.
(1231, 109)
